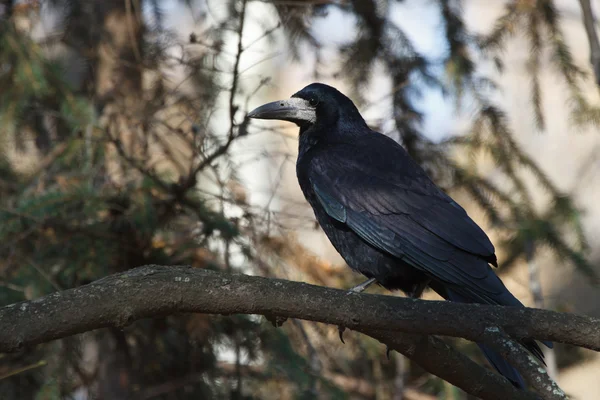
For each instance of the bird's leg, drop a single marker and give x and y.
(356, 289)
(360, 288)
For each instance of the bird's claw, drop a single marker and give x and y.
(341, 330)
(387, 352)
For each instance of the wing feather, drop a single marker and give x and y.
(382, 187)
(424, 227)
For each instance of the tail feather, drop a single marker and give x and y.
(499, 363)
(502, 366)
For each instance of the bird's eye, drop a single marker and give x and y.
(313, 102)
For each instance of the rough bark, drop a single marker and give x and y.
(400, 323)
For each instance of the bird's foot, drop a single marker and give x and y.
(387, 352)
(356, 289)
(360, 288)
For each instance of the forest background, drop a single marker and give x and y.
(124, 142)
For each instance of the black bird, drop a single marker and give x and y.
(383, 214)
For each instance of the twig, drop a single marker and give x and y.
(587, 15)
(236, 66)
(44, 274)
(221, 150)
(38, 364)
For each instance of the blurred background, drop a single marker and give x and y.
(124, 142)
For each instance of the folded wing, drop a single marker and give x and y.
(409, 217)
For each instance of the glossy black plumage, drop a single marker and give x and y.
(384, 215)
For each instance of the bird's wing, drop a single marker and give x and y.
(400, 211)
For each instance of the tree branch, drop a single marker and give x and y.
(154, 291)
(589, 23)
(438, 358)
(526, 364)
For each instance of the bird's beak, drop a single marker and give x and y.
(295, 110)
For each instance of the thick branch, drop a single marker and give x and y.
(154, 291)
(440, 359)
(526, 364)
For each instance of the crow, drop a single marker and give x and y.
(384, 215)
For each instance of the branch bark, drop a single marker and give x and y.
(525, 363)
(400, 323)
(438, 358)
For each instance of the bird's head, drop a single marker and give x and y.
(316, 104)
